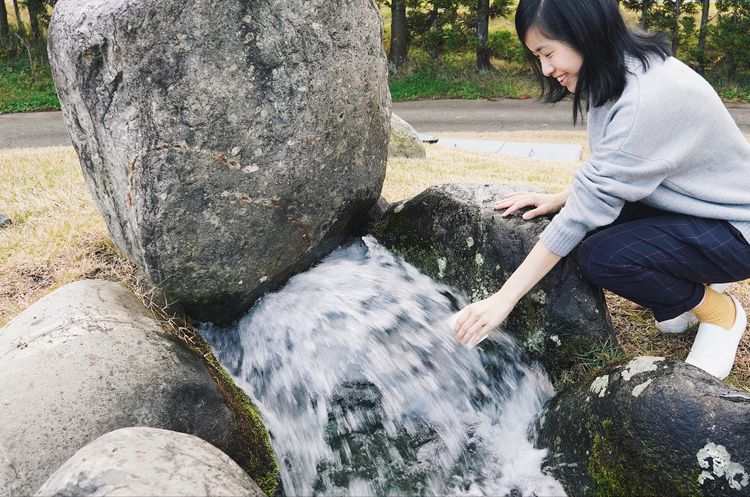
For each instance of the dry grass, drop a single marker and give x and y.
(407, 177)
(58, 236)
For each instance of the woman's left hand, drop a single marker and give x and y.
(476, 320)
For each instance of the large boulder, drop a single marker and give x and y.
(227, 144)
(649, 427)
(405, 141)
(88, 359)
(452, 233)
(135, 461)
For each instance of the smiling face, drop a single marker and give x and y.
(558, 59)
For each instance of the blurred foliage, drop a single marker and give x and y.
(442, 48)
(455, 76)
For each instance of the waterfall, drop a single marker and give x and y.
(366, 391)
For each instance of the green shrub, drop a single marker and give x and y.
(22, 92)
(506, 45)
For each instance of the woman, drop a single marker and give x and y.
(663, 205)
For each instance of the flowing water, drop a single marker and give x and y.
(366, 391)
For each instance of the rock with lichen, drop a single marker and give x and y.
(149, 461)
(649, 427)
(405, 141)
(452, 233)
(88, 359)
(227, 144)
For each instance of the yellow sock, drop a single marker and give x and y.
(716, 308)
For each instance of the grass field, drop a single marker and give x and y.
(58, 236)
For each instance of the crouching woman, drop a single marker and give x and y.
(662, 207)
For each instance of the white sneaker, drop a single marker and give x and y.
(687, 320)
(714, 347)
(682, 323)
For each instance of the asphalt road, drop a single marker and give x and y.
(42, 129)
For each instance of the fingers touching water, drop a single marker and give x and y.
(476, 320)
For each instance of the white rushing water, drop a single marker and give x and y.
(366, 391)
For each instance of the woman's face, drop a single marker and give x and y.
(558, 59)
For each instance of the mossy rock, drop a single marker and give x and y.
(648, 427)
(452, 233)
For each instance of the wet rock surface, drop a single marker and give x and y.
(149, 461)
(451, 233)
(227, 145)
(88, 359)
(649, 427)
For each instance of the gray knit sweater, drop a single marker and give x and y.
(668, 142)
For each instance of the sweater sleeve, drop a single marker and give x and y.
(602, 186)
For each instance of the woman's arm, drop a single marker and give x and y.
(477, 319)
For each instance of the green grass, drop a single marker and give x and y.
(455, 76)
(19, 92)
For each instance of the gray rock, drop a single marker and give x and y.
(649, 427)
(452, 233)
(405, 141)
(149, 461)
(227, 144)
(88, 359)
(378, 210)
(5, 221)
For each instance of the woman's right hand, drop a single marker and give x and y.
(543, 203)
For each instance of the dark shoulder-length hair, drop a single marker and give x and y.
(596, 30)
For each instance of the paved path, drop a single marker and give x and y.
(41, 129)
(33, 129)
(506, 115)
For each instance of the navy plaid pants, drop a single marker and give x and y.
(661, 260)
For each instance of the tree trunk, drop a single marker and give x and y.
(4, 28)
(702, 37)
(19, 22)
(644, 14)
(676, 27)
(434, 49)
(397, 53)
(483, 25)
(35, 9)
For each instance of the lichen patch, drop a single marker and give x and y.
(640, 388)
(717, 463)
(640, 365)
(599, 385)
(442, 263)
(469, 242)
(479, 259)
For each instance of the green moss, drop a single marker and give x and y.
(261, 463)
(621, 470)
(249, 444)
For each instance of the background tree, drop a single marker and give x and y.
(399, 34)
(706, 4)
(484, 10)
(35, 9)
(729, 37)
(641, 6)
(4, 27)
(483, 30)
(19, 22)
